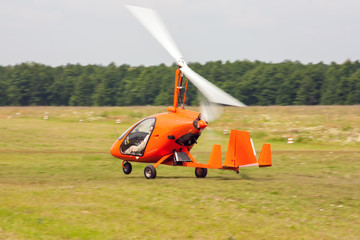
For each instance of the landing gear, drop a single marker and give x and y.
(150, 172)
(200, 172)
(127, 168)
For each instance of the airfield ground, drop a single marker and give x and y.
(59, 181)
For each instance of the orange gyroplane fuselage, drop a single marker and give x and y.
(174, 131)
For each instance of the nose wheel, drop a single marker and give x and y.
(127, 168)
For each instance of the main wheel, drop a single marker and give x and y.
(150, 172)
(127, 168)
(200, 172)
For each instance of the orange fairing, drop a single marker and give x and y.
(202, 124)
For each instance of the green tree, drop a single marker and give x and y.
(106, 90)
(354, 88)
(254, 83)
(82, 95)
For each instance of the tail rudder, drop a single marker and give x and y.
(240, 150)
(265, 156)
(215, 160)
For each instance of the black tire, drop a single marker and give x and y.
(150, 172)
(200, 172)
(127, 168)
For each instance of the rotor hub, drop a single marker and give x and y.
(181, 62)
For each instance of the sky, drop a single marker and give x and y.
(58, 32)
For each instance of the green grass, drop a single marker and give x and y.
(58, 180)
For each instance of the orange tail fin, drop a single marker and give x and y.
(240, 150)
(265, 156)
(215, 160)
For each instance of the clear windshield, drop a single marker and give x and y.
(135, 142)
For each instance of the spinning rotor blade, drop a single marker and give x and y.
(153, 23)
(210, 91)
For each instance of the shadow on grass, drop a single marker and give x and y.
(222, 178)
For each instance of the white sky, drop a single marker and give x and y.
(57, 32)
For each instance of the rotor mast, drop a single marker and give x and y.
(179, 91)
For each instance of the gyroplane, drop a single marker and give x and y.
(167, 138)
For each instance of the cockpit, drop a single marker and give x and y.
(136, 140)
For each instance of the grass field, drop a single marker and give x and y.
(59, 181)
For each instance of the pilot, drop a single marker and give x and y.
(139, 148)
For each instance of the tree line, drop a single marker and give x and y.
(253, 83)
